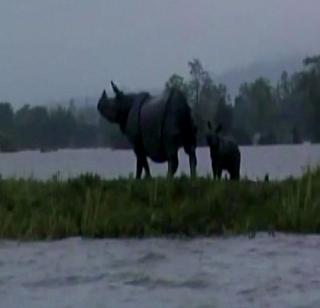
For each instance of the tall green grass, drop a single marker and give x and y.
(92, 207)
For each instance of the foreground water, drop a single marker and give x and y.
(280, 271)
(278, 161)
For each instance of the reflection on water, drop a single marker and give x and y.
(281, 271)
(278, 161)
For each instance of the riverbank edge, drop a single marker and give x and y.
(89, 206)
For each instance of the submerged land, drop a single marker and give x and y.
(89, 206)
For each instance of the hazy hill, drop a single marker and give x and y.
(271, 70)
(232, 79)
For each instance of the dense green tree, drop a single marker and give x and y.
(208, 100)
(256, 111)
(7, 141)
(176, 82)
(6, 118)
(309, 84)
(32, 127)
(62, 127)
(197, 73)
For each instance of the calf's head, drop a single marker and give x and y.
(214, 137)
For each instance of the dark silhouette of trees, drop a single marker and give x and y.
(288, 112)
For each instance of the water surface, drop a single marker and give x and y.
(278, 161)
(280, 271)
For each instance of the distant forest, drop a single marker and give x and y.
(261, 113)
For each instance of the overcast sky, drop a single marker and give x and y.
(57, 49)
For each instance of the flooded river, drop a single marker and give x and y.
(280, 271)
(278, 161)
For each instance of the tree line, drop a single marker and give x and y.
(51, 128)
(261, 113)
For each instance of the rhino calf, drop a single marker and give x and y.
(225, 154)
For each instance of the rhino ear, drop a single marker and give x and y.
(104, 94)
(209, 125)
(115, 89)
(219, 128)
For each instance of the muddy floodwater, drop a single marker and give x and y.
(280, 271)
(278, 161)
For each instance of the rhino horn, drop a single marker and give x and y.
(115, 89)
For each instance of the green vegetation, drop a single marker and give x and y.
(91, 207)
(287, 112)
(39, 127)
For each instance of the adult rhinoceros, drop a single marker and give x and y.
(155, 126)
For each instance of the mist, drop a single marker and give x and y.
(55, 50)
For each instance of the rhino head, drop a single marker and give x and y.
(213, 137)
(113, 109)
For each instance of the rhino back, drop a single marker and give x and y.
(132, 128)
(151, 122)
(178, 129)
(161, 125)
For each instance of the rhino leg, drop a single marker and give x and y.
(142, 163)
(214, 170)
(234, 175)
(235, 169)
(173, 163)
(217, 172)
(214, 173)
(139, 168)
(192, 160)
(146, 167)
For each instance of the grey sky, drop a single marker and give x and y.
(56, 49)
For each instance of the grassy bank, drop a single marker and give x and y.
(90, 206)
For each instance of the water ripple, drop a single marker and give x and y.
(151, 257)
(154, 283)
(58, 282)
